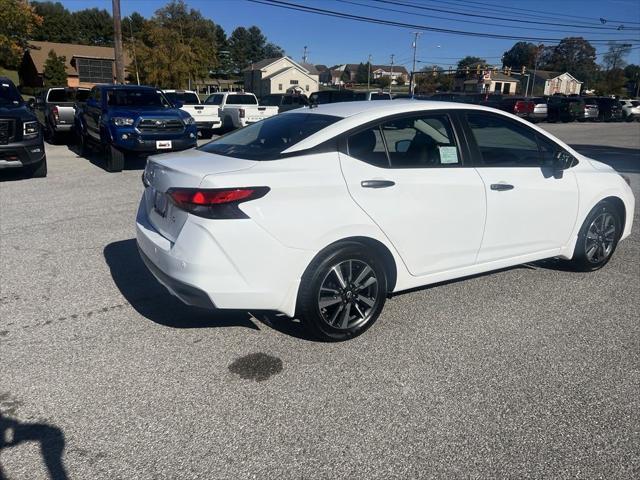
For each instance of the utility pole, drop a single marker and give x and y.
(391, 81)
(412, 85)
(117, 37)
(304, 55)
(369, 72)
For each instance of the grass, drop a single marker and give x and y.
(12, 74)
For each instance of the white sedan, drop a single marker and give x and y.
(323, 212)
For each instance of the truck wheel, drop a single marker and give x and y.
(114, 158)
(208, 133)
(39, 170)
(83, 146)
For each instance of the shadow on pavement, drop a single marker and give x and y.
(97, 158)
(622, 159)
(151, 300)
(50, 438)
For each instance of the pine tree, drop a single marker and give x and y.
(54, 72)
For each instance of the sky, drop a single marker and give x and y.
(332, 41)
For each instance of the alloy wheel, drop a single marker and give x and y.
(348, 294)
(600, 238)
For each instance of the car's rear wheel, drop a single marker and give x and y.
(207, 133)
(342, 292)
(114, 159)
(598, 238)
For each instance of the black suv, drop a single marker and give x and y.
(21, 142)
(610, 109)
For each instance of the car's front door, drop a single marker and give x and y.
(407, 174)
(531, 209)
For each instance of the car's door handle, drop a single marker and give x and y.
(377, 183)
(501, 186)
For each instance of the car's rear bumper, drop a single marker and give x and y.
(233, 263)
(208, 125)
(19, 154)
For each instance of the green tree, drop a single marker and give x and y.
(470, 62)
(18, 21)
(345, 76)
(612, 82)
(94, 27)
(177, 45)
(400, 81)
(362, 73)
(239, 49)
(576, 56)
(521, 54)
(58, 23)
(383, 82)
(54, 71)
(271, 50)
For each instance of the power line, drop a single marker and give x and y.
(493, 24)
(477, 15)
(553, 15)
(360, 18)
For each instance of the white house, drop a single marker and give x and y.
(280, 75)
(564, 83)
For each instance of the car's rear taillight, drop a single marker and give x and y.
(241, 112)
(218, 203)
(523, 106)
(55, 113)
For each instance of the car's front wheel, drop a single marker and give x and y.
(598, 238)
(114, 159)
(342, 292)
(39, 170)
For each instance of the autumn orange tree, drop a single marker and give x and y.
(17, 23)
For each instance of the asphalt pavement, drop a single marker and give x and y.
(526, 372)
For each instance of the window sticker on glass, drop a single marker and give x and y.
(448, 155)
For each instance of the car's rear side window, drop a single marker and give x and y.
(214, 100)
(267, 139)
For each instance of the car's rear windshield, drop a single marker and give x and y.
(590, 101)
(267, 139)
(634, 103)
(61, 95)
(380, 96)
(136, 98)
(9, 94)
(271, 101)
(241, 100)
(187, 98)
(82, 95)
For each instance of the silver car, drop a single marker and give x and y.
(539, 113)
(591, 110)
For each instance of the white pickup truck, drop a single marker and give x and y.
(206, 116)
(239, 109)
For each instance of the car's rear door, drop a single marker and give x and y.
(530, 208)
(407, 173)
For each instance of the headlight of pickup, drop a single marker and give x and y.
(30, 129)
(122, 121)
(189, 121)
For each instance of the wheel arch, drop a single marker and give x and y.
(620, 207)
(379, 248)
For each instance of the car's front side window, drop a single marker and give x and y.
(502, 142)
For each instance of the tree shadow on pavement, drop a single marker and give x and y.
(51, 439)
(151, 300)
(622, 159)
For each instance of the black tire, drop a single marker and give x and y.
(83, 145)
(39, 170)
(352, 260)
(208, 133)
(114, 159)
(584, 260)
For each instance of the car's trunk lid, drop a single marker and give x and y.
(180, 169)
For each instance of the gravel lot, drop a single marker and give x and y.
(527, 372)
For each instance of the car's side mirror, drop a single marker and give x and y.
(31, 103)
(178, 104)
(402, 146)
(562, 160)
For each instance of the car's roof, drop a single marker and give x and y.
(376, 109)
(125, 87)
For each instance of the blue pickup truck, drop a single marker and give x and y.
(124, 120)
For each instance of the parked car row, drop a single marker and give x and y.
(555, 108)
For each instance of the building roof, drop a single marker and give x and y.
(501, 77)
(310, 68)
(39, 51)
(546, 75)
(263, 63)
